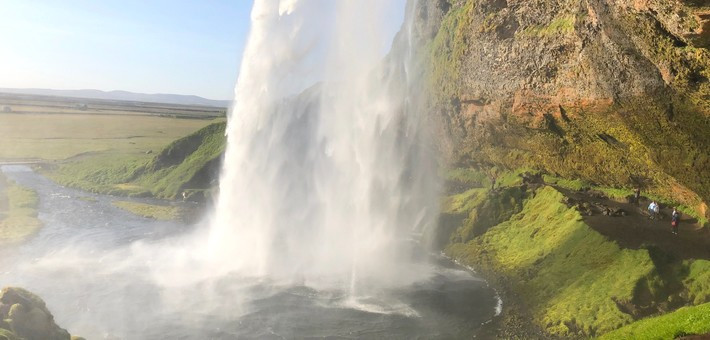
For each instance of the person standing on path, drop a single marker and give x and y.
(675, 220)
(653, 209)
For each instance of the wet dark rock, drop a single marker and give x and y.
(597, 195)
(532, 178)
(569, 201)
(585, 209)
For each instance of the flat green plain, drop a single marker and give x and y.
(61, 136)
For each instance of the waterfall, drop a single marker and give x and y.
(328, 179)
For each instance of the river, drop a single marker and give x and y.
(95, 267)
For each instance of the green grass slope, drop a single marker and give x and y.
(153, 211)
(574, 281)
(570, 274)
(683, 322)
(107, 173)
(187, 164)
(183, 164)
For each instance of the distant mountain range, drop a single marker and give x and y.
(124, 96)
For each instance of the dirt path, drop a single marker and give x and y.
(636, 230)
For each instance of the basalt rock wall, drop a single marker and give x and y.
(614, 92)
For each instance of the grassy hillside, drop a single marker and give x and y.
(683, 322)
(573, 280)
(599, 99)
(187, 164)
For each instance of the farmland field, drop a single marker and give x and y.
(28, 132)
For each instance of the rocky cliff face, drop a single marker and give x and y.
(614, 92)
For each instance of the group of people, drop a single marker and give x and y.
(654, 213)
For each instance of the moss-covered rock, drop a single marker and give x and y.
(615, 94)
(25, 316)
(494, 207)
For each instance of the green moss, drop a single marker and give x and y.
(158, 212)
(467, 176)
(698, 281)
(617, 193)
(545, 250)
(558, 26)
(513, 177)
(685, 321)
(447, 50)
(472, 177)
(489, 23)
(702, 220)
(615, 150)
(464, 202)
(487, 211)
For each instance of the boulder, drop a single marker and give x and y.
(25, 316)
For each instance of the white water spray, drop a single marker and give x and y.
(327, 177)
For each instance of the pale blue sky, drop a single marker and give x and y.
(151, 46)
(147, 46)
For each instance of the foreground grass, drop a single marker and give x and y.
(158, 212)
(106, 173)
(19, 219)
(698, 280)
(572, 278)
(685, 321)
(102, 173)
(546, 249)
(56, 137)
